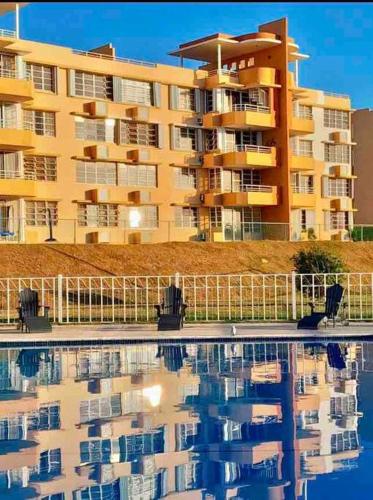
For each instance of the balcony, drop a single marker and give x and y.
(302, 124)
(224, 77)
(303, 197)
(12, 185)
(298, 162)
(342, 204)
(337, 101)
(13, 137)
(242, 116)
(257, 77)
(13, 88)
(251, 195)
(243, 156)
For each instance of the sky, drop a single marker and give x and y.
(337, 36)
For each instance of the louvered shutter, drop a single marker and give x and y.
(200, 140)
(117, 89)
(174, 97)
(173, 137)
(324, 186)
(71, 84)
(160, 136)
(197, 100)
(157, 94)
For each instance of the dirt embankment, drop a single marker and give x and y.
(167, 258)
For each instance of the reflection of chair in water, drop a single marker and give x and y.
(173, 356)
(335, 356)
(29, 361)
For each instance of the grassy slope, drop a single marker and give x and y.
(167, 258)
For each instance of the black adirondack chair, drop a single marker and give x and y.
(333, 304)
(29, 309)
(171, 311)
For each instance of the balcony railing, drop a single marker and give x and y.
(251, 188)
(250, 107)
(16, 174)
(248, 148)
(304, 115)
(334, 94)
(229, 72)
(114, 58)
(11, 123)
(303, 189)
(13, 73)
(7, 34)
(302, 152)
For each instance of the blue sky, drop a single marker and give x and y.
(338, 37)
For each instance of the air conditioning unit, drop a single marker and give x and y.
(140, 113)
(98, 108)
(342, 170)
(98, 237)
(140, 237)
(139, 197)
(139, 155)
(98, 195)
(97, 152)
(340, 137)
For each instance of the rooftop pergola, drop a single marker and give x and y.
(6, 7)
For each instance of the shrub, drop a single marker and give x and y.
(317, 261)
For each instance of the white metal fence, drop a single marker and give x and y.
(244, 297)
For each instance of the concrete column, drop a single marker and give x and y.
(219, 57)
(17, 20)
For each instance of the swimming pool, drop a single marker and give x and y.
(256, 420)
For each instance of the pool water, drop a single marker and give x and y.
(233, 421)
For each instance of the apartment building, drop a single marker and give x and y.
(362, 130)
(97, 148)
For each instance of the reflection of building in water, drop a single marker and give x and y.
(201, 421)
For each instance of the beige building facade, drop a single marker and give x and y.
(109, 150)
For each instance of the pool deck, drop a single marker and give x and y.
(69, 335)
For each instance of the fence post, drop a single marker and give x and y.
(294, 295)
(177, 280)
(59, 297)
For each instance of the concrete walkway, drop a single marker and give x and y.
(210, 332)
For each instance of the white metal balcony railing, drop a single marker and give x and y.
(334, 94)
(302, 189)
(247, 148)
(251, 188)
(14, 74)
(114, 58)
(7, 33)
(304, 115)
(250, 107)
(11, 123)
(229, 72)
(302, 152)
(16, 174)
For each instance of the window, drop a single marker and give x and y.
(189, 476)
(40, 168)
(209, 101)
(145, 217)
(49, 466)
(96, 172)
(214, 177)
(335, 118)
(337, 153)
(46, 418)
(8, 115)
(134, 91)
(185, 138)
(305, 148)
(92, 85)
(137, 175)
(185, 178)
(42, 76)
(106, 407)
(37, 212)
(100, 215)
(40, 122)
(186, 217)
(339, 220)
(339, 187)
(9, 165)
(186, 99)
(7, 65)
(187, 435)
(343, 441)
(302, 183)
(216, 217)
(343, 405)
(211, 140)
(302, 111)
(90, 129)
(144, 134)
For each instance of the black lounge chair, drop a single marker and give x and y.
(171, 311)
(29, 309)
(336, 358)
(333, 304)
